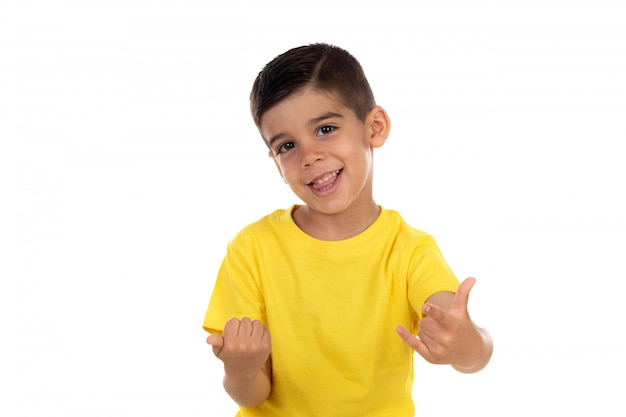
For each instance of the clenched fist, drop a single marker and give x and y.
(244, 347)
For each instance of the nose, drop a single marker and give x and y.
(311, 153)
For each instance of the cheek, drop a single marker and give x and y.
(364, 158)
(366, 166)
(278, 167)
(285, 170)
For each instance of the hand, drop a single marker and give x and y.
(244, 347)
(450, 336)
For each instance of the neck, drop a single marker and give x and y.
(337, 226)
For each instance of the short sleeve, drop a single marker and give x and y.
(428, 274)
(237, 291)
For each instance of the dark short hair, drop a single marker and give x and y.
(321, 66)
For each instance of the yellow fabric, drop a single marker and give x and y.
(332, 308)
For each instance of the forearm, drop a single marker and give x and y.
(481, 358)
(249, 392)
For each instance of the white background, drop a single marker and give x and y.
(128, 159)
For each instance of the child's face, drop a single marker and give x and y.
(322, 150)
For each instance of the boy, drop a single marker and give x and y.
(316, 307)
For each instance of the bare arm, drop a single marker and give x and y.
(249, 392)
(448, 335)
(244, 347)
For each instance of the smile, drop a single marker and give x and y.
(326, 181)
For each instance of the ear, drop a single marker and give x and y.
(379, 125)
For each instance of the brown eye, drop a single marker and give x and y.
(285, 147)
(325, 130)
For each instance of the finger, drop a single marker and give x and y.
(415, 343)
(405, 335)
(266, 335)
(231, 328)
(245, 327)
(461, 298)
(261, 333)
(258, 329)
(408, 337)
(217, 342)
(435, 313)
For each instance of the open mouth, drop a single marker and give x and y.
(326, 181)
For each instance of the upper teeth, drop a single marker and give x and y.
(326, 177)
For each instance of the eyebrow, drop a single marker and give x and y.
(325, 116)
(313, 121)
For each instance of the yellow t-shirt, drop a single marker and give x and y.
(332, 308)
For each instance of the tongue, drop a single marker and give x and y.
(324, 184)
